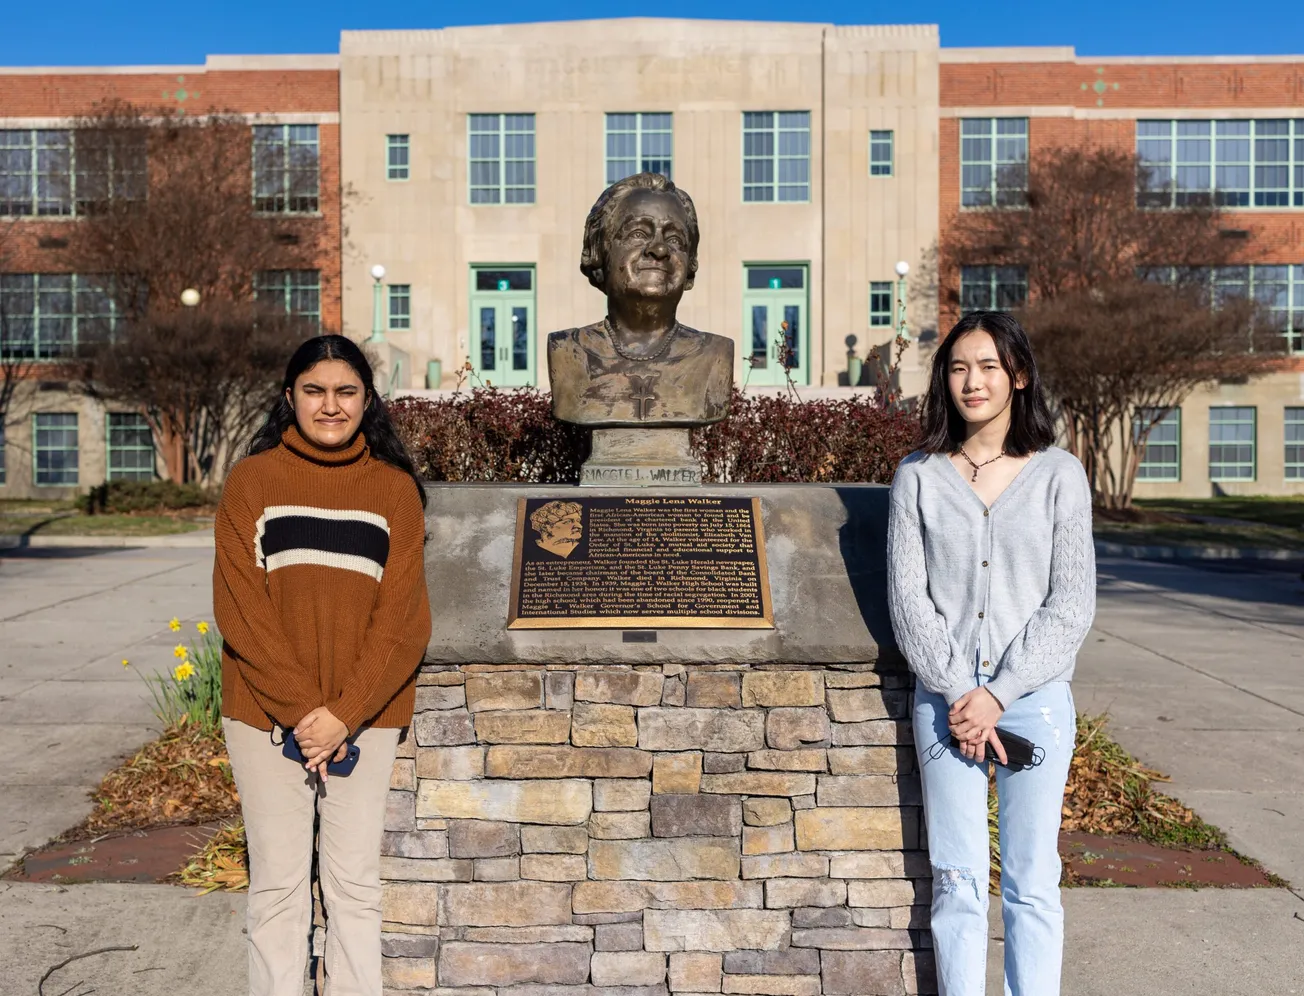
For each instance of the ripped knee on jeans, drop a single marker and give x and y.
(948, 880)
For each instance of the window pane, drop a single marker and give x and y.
(775, 277)
(993, 162)
(131, 447)
(501, 166)
(792, 335)
(400, 306)
(760, 335)
(1231, 444)
(56, 448)
(520, 339)
(488, 338)
(880, 153)
(1161, 455)
(286, 169)
(776, 156)
(503, 280)
(396, 153)
(1295, 444)
(880, 303)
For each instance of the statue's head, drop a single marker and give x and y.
(640, 239)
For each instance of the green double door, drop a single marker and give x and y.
(776, 333)
(503, 330)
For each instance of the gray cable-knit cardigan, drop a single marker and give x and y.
(1008, 591)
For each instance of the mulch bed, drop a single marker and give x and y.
(1090, 859)
(153, 854)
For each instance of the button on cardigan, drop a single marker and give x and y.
(1013, 584)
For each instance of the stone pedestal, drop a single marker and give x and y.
(641, 458)
(712, 812)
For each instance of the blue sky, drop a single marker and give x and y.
(124, 32)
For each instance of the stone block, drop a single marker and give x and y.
(530, 726)
(871, 760)
(401, 811)
(853, 939)
(919, 970)
(720, 764)
(621, 794)
(858, 973)
(793, 961)
(497, 869)
(451, 763)
(554, 867)
(563, 801)
(408, 945)
(466, 963)
(788, 893)
(715, 690)
(628, 968)
(620, 826)
(444, 729)
(676, 774)
(783, 688)
(852, 679)
(554, 840)
(855, 705)
(567, 762)
(407, 745)
(603, 725)
(505, 904)
(424, 870)
(694, 815)
(810, 917)
(429, 823)
(856, 829)
(760, 783)
(504, 690)
(763, 812)
(631, 897)
(790, 865)
(906, 917)
(405, 902)
(803, 801)
(886, 892)
(483, 839)
(674, 691)
(789, 728)
(440, 697)
(872, 864)
(863, 917)
(868, 790)
(635, 688)
(403, 776)
(664, 860)
(805, 759)
(415, 844)
(560, 933)
(729, 730)
(715, 930)
(618, 937)
(559, 690)
(873, 733)
(768, 840)
(407, 973)
(773, 985)
(600, 918)
(695, 972)
(429, 675)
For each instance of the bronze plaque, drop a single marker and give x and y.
(640, 562)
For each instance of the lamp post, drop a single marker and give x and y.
(902, 332)
(377, 305)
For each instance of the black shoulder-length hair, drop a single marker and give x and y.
(376, 425)
(1032, 427)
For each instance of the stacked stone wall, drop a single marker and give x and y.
(590, 830)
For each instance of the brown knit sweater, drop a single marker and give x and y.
(319, 587)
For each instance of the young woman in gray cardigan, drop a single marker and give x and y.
(991, 587)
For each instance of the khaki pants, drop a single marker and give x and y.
(278, 799)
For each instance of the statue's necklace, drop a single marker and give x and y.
(979, 466)
(660, 350)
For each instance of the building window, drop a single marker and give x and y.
(51, 315)
(880, 303)
(1277, 289)
(58, 172)
(993, 162)
(776, 156)
(880, 153)
(1295, 444)
(397, 157)
(56, 452)
(287, 169)
(639, 143)
(296, 292)
(502, 158)
(1231, 444)
(1242, 164)
(131, 447)
(992, 288)
(1161, 456)
(400, 306)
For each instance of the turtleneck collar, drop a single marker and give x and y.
(294, 441)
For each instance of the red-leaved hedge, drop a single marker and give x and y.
(491, 434)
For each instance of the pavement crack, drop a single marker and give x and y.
(93, 594)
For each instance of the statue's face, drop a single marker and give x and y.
(647, 250)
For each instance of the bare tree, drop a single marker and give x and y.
(171, 207)
(17, 352)
(1119, 303)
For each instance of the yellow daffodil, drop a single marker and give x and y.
(179, 650)
(125, 662)
(202, 627)
(175, 625)
(183, 671)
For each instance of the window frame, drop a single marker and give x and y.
(1253, 422)
(993, 282)
(284, 202)
(776, 157)
(641, 132)
(1175, 414)
(876, 138)
(38, 449)
(123, 179)
(81, 289)
(394, 294)
(1219, 279)
(1288, 423)
(287, 289)
(1257, 190)
(502, 160)
(995, 164)
(128, 473)
(880, 287)
(398, 143)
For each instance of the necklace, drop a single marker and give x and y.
(979, 466)
(660, 350)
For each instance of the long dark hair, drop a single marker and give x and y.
(1032, 426)
(384, 442)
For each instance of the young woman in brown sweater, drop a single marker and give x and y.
(319, 590)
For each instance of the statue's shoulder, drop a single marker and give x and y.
(570, 338)
(715, 346)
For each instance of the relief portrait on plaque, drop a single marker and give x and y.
(560, 527)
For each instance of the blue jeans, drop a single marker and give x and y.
(955, 809)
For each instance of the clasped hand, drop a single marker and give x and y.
(321, 737)
(973, 720)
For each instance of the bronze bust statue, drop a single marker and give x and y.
(638, 367)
